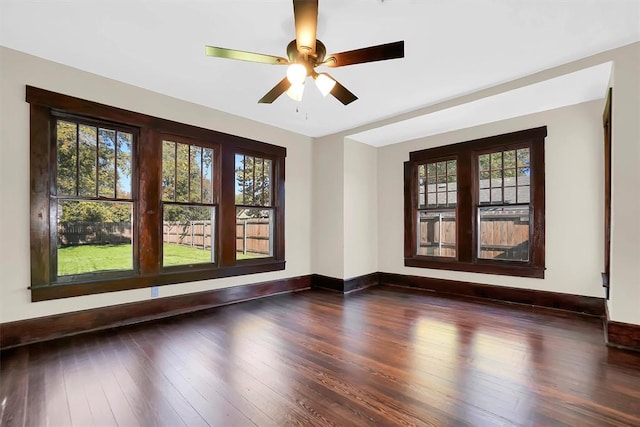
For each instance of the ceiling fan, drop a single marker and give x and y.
(305, 53)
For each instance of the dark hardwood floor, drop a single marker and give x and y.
(383, 356)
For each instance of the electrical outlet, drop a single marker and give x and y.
(154, 292)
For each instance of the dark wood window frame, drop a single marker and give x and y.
(45, 106)
(466, 154)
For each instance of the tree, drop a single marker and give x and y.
(253, 181)
(86, 167)
(187, 177)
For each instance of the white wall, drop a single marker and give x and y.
(16, 71)
(574, 200)
(360, 209)
(327, 248)
(624, 305)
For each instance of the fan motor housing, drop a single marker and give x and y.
(308, 60)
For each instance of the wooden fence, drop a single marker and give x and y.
(252, 235)
(195, 234)
(93, 233)
(503, 236)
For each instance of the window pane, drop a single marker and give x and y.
(452, 199)
(254, 233)
(496, 179)
(125, 143)
(509, 177)
(66, 137)
(510, 195)
(182, 175)
(451, 168)
(436, 233)
(485, 179)
(524, 194)
(187, 235)
(504, 233)
(496, 195)
(509, 159)
(207, 175)
(168, 171)
(106, 163)
(485, 197)
(483, 162)
(253, 181)
(94, 236)
(87, 160)
(496, 161)
(523, 157)
(195, 174)
(504, 175)
(266, 182)
(524, 176)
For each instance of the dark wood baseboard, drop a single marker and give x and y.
(13, 334)
(623, 335)
(21, 332)
(577, 303)
(342, 285)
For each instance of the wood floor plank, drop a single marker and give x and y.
(383, 356)
(14, 387)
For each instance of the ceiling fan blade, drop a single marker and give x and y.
(221, 52)
(368, 54)
(274, 93)
(342, 93)
(306, 20)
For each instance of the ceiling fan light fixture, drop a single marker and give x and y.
(324, 83)
(296, 91)
(296, 73)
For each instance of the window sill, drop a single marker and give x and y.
(89, 287)
(502, 268)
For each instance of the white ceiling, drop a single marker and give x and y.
(452, 48)
(573, 88)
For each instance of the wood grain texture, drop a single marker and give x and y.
(625, 335)
(45, 328)
(577, 303)
(388, 356)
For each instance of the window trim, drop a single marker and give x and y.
(466, 153)
(607, 130)
(46, 105)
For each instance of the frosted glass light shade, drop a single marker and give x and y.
(295, 92)
(325, 84)
(296, 73)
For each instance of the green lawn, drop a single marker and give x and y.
(91, 258)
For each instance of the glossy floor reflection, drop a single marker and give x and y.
(383, 356)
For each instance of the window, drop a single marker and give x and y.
(478, 206)
(254, 208)
(92, 199)
(122, 200)
(188, 204)
(437, 209)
